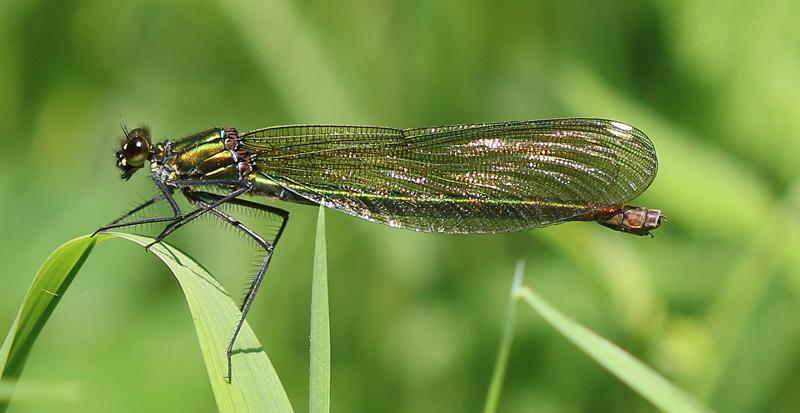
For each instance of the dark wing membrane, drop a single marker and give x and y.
(473, 178)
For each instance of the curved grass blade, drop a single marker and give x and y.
(255, 386)
(49, 285)
(320, 366)
(638, 376)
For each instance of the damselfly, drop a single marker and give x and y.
(458, 179)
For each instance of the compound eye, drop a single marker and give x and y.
(137, 148)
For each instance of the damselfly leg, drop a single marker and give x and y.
(204, 200)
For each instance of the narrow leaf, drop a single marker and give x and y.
(255, 386)
(320, 366)
(641, 378)
(49, 285)
(501, 363)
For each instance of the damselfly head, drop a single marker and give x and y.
(135, 150)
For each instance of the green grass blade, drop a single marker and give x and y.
(255, 386)
(320, 366)
(501, 363)
(49, 285)
(641, 378)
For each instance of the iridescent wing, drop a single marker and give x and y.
(472, 178)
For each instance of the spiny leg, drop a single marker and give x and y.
(209, 197)
(114, 223)
(245, 186)
(200, 199)
(155, 199)
(117, 224)
(165, 194)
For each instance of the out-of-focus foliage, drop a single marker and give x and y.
(711, 301)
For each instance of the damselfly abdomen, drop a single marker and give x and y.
(459, 179)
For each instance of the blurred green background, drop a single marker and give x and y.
(711, 302)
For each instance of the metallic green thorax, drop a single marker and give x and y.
(215, 154)
(212, 154)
